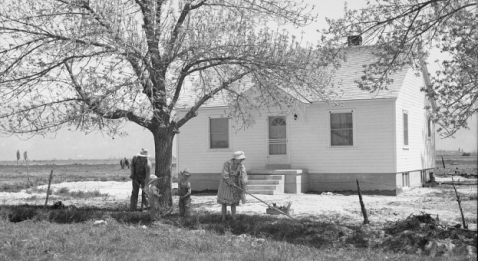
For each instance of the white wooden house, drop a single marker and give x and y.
(384, 140)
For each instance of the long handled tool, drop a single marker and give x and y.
(270, 206)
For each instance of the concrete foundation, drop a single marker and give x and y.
(299, 181)
(370, 183)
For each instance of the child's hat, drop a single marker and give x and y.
(153, 179)
(186, 172)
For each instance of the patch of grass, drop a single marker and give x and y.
(12, 181)
(65, 192)
(471, 197)
(12, 187)
(87, 194)
(116, 241)
(62, 191)
(455, 165)
(66, 215)
(32, 198)
(132, 236)
(16, 186)
(37, 190)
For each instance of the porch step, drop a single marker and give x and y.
(264, 192)
(265, 181)
(290, 180)
(277, 166)
(261, 187)
(266, 184)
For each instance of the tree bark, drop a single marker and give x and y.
(163, 148)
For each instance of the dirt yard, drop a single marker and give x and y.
(438, 201)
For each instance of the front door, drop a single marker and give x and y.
(277, 140)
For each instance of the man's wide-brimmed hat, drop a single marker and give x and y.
(239, 155)
(143, 153)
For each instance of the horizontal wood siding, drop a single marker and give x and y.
(308, 140)
(373, 150)
(420, 152)
(193, 144)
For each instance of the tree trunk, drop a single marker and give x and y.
(163, 143)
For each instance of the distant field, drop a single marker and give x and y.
(455, 164)
(13, 178)
(65, 162)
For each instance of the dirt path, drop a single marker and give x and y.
(326, 206)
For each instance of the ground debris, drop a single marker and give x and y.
(422, 234)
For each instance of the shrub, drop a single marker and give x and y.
(63, 191)
(21, 213)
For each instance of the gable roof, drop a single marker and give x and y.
(344, 78)
(352, 69)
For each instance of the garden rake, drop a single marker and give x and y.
(270, 206)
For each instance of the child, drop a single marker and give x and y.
(184, 192)
(154, 196)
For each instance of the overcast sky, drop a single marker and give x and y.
(76, 145)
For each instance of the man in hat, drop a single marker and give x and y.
(140, 173)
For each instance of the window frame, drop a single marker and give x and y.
(354, 129)
(429, 128)
(405, 131)
(229, 148)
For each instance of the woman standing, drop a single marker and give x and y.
(232, 186)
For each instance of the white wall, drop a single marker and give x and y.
(373, 139)
(193, 147)
(420, 152)
(373, 150)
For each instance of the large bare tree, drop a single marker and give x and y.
(404, 31)
(92, 64)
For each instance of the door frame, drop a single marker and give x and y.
(278, 159)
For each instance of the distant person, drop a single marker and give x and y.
(154, 197)
(232, 186)
(184, 192)
(126, 162)
(121, 164)
(140, 173)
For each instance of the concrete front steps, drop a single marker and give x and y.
(265, 184)
(277, 181)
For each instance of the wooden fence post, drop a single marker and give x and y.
(362, 205)
(48, 190)
(459, 203)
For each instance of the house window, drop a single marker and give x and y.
(405, 128)
(341, 129)
(429, 128)
(219, 133)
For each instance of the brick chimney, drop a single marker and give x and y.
(354, 40)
